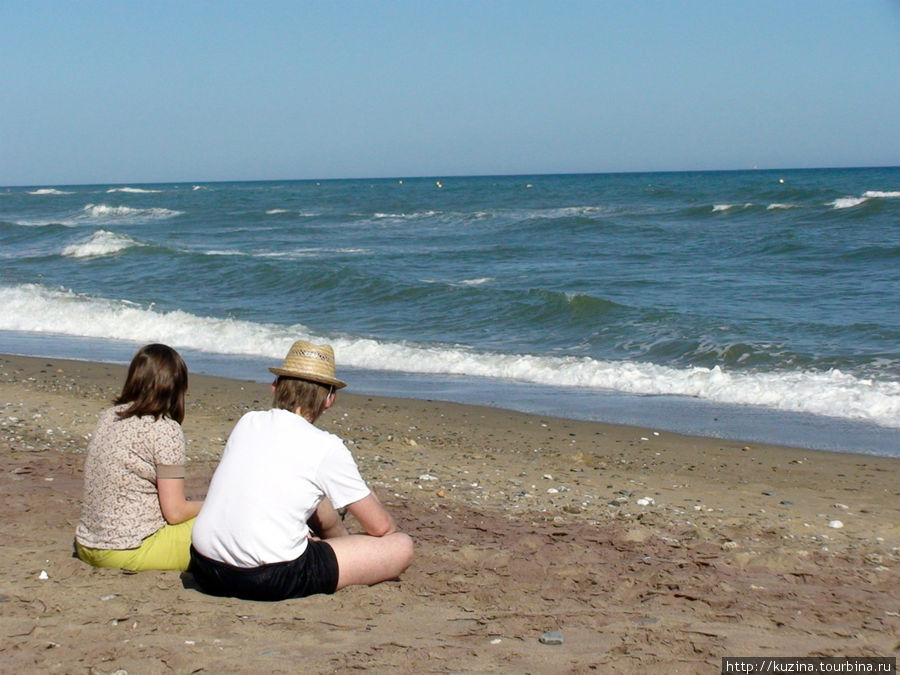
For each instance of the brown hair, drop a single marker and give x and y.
(292, 393)
(156, 383)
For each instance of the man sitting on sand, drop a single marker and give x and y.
(269, 529)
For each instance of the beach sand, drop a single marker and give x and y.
(642, 548)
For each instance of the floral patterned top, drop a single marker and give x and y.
(124, 459)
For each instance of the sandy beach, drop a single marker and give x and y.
(642, 548)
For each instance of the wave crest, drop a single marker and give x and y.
(132, 190)
(100, 244)
(48, 191)
(832, 393)
(104, 211)
(850, 202)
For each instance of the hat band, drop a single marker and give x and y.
(312, 355)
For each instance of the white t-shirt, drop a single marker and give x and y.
(275, 470)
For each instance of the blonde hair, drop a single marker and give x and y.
(292, 393)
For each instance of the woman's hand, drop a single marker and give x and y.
(174, 505)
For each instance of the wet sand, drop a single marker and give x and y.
(642, 548)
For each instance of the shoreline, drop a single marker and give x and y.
(679, 415)
(643, 547)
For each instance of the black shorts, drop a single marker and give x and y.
(316, 571)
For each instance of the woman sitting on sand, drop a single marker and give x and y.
(279, 481)
(135, 515)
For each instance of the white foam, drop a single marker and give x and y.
(772, 207)
(832, 393)
(721, 207)
(847, 202)
(30, 307)
(850, 202)
(457, 284)
(565, 212)
(48, 191)
(231, 252)
(312, 252)
(405, 216)
(272, 212)
(101, 243)
(132, 190)
(106, 212)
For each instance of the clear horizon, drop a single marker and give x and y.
(451, 176)
(109, 93)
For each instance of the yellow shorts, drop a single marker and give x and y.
(169, 548)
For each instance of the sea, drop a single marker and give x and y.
(760, 306)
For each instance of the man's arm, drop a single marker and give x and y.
(326, 523)
(373, 517)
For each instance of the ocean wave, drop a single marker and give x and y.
(313, 252)
(100, 244)
(132, 190)
(469, 283)
(226, 252)
(850, 202)
(778, 206)
(831, 393)
(48, 191)
(565, 212)
(878, 194)
(406, 216)
(718, 208)
(106, 212)
(847, 202)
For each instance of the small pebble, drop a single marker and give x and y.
(552, 638)
(836, 524)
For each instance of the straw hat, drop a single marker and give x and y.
(307, 361)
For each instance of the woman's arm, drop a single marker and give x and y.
(172, 502)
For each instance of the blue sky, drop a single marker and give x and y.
(189, 91)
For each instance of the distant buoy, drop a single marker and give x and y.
(400, 181)
(438, 183)
(781, 180)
